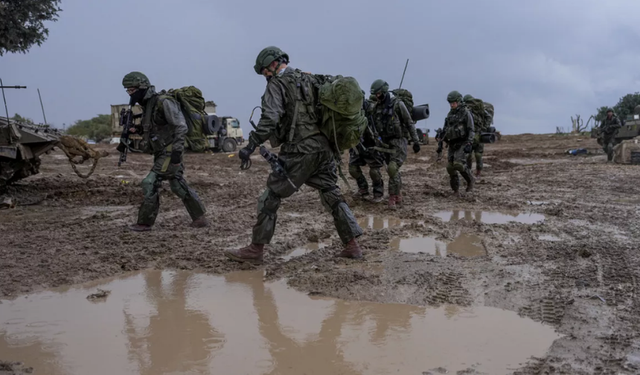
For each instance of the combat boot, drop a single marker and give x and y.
(361, 193)
(140, 227)
(250, 254)
(200, 222)
(377, 199)
(468, 177)
(392, 201)
(454, 182)
(351, 250)
(399, 200)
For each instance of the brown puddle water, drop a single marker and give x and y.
(490, 217)
(165, 322)
(467, 245)
(377, 222)
(311, 246)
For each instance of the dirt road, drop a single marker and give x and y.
(558, 238)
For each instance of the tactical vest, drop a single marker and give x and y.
(455, 130)
(301, 116)
(156, 135)
(386, 120)
(607, 127)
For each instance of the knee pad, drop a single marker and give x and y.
(393, 169)
(355, 171)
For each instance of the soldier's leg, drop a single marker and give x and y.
(355, 170)
(460, 165)
(479, 151)
(189, 197)
(325, 180)
(608, 141)
(454, 179)
(151, 204)
(376, 162)
(396, 161)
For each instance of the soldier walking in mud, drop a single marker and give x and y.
(306, 154)
(608, 129)
(458, 132)
(364, 154)
(480, 121)
(392, 120)
(164, 130)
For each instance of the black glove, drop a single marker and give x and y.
(416, 147)
(176, 157)
(467, 148)
(246, 152)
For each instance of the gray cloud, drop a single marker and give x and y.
(537, 62)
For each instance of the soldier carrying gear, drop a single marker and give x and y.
(458, 132)
(290, 120)
(480, 120)
(608, 129)
(164, 130)
(391, 120)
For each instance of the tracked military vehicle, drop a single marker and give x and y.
(21, 146)
(629, 130)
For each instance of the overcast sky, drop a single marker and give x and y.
(538, 62)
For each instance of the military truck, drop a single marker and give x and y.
(222, 133)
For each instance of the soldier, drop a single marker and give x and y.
(608, 129)
(305, 152)
(458, 133)
(391, 120)
(164, 130)
(477, 148)
(362, 155)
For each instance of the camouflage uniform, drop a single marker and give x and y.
(477, 148)
(458, 132)
(164, 131)
(363, 155)
(305, 152)
(392, 120)
(608, 129)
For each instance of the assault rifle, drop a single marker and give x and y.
(126, 121)
(271, 158)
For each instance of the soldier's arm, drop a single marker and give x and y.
(407, 121)
(174, 117)
(470, 127)
(272, 112)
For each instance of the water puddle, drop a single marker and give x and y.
(304, 250)
(379, 222)
(490, 217)
(549, 237)
(466, 245)
(162, 322)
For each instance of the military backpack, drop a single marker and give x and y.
(406, 97)
(192, 106)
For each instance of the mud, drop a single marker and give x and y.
(173, 322)
(65, 230)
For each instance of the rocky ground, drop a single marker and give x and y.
(577, 270)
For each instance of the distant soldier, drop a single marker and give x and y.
(364, 154)
(608, 129)
(458, 132)
(439, 141)
(164, 133)
(392, 121)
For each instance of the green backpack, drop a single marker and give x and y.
(192, 105)
(476, 107)
(406, 97)
(488, 108)
(343, 117)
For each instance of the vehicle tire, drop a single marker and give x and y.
(229, 145)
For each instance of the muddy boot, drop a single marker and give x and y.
(468, 177)
(392, 201)
(250, 254)
(478, 172)
(140, 227)
(200, 222)
(351, 250)
(377, 199)
(454, 182)
(361, 193)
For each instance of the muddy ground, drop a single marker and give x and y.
(577, 271)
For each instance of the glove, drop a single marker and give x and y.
(467, 148)
(439, 150)
(416, 147)
(246, 152)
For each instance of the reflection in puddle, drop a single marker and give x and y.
(160, 322)
(304, 250)
(466, 245)
(378, 222)
(490, 217)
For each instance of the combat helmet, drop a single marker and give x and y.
(467, 98)
(269, 55)
(454, 96)
(136, 79)
(379, 86)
